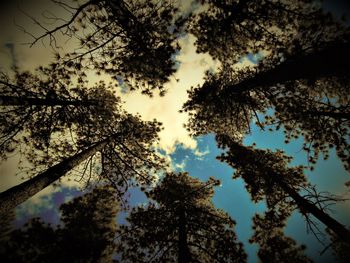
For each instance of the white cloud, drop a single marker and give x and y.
(166, 109)
(181, 166)
(200, 154)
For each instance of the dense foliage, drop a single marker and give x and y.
(86, 233)
(180, 225)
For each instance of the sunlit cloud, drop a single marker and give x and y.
(166, 109)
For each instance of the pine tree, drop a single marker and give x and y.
(274, 246)
(37, 107)
(228, 30)
(122, 148)
(132, 41)
(86, 233)
(267, 177)
(180, 224)
(317, 111)
(298, 75)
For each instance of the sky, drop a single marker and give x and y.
(194, 155)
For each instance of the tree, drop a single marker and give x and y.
(89, 226)
(180, 224)
(340, 248)
(274, 245)
(130, 40)
(299, 76)
(228, 30)
(86, 233)
(35, 108)
(267, 177)
(126, 142)
(319, 112)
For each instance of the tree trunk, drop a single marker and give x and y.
(304, 205)
(332, 61)
(184, 255)
(16, 195)
(23, 101)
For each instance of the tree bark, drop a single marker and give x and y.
(23, 101)
(16, 195)
(331, 61)
(304, 205)
(184, 255)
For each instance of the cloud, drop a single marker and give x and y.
(49, 199)
(165, 109)
(200, 154)
(181, 166)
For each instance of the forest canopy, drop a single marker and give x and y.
(252, 97)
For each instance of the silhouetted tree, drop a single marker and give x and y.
(127, 39)
(86, 233)
(274, 245)
(229, 30)
(300, 76)
(267, 177)
(119, 152)
(180, 225)
(37, 107)
(319, 112)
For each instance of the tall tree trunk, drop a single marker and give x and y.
(14, 196)
(304, 205)
(331, 61)
(184, 255)
(23, 101)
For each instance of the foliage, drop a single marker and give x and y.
(87, 233)
(130, 40)
(267, 176)
(297, 82)
(262, 171)
(231, 29)
(55, 116)
(274, 245)
(182, 224)
(299, 77)
(340, 249)
(37, 107)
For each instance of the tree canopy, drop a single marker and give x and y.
(180, 225)
(274, 245)
(298, 81)
(134, 41)
(86, 233)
